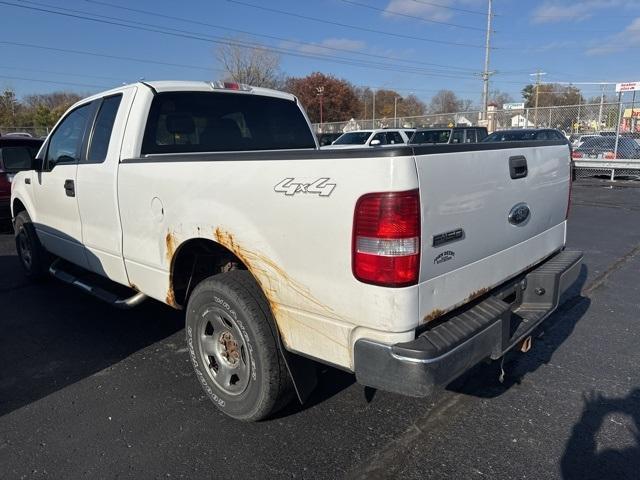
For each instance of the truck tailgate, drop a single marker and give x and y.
(475, 229)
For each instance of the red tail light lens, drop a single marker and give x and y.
(575, 155)
(5, 184)
(386, 239)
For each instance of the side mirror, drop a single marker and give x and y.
(36, 164)
(374, 143)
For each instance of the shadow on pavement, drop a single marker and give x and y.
(52, 335)
(482, 381)
(583, 459)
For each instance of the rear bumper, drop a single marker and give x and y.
(487, 329)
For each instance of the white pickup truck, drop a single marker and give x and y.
(405, 265)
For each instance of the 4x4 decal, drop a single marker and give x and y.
(289, 186)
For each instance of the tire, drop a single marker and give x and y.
(35, 260)
(233, 345)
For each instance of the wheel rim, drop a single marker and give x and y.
(223, 351)
(24, 249)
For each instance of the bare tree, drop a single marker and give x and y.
(446, 101)
(254, 66)
(499, 98)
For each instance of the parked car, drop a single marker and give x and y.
(604, 148)
(16, 154)
(526, 134)
(18, 134)
(325, 139)
(370, 138)
(448, 135)
(578, 139)
(406, 266)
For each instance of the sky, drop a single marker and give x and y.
(412, 46)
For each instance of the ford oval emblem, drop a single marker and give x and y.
(519, 214)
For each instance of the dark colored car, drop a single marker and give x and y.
(16, 154)
(327, 138)
(448, 135)
(526, 134)
(603, 148)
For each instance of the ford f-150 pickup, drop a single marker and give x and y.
(405, 265)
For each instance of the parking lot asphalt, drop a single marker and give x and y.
(87, 391)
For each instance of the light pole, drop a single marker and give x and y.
(395, 110)
(320, 94)
(373, 114)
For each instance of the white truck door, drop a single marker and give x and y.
(58, 219)
(97, 190)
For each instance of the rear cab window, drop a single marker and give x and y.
(223, 122)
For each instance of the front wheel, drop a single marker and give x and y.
(233, 347)
(33, 257)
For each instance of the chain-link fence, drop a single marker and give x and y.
(36, 132)
(619, 122)
(572, 119)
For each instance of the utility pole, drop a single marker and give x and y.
(320, 91)
(486, 73)
(373, 113)
(395, 110)
(538, 74)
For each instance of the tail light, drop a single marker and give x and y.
(5, 184)
(230, 86)
(386, 239)
(575, 155)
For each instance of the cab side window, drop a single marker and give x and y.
(380, 136)
(394, 138)
(102, 129)
(65, 145)
(458, 136)
(471, 136)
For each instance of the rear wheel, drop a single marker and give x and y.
(233, 347)
(33, 257)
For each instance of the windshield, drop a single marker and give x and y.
(353, 138)
(431, 136)
(600, 142)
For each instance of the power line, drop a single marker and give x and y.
(53, 82)
(406, 15)
(272, 37)
(448, 7)
(354, 27)
(224, 41)
(104, 55)
(51, 72)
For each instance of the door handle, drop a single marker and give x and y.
(27, 181)
(518, 166)
(70, 188)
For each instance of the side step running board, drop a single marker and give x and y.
(98, 292)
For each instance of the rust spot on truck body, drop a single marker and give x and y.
(271, 277)
(432, 315)
(477, 294)
(170, 243)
